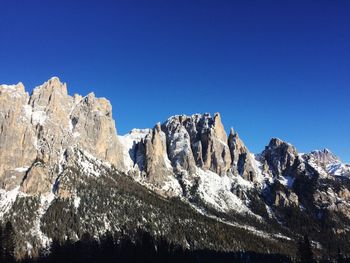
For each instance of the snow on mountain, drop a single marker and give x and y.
(216, 191)
(59, 152)
(129, 143)
(327, 163)
(7, 199)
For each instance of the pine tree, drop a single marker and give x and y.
(55, 251)
(8, 243)
(340, 258)
(1, 243)
(305, 251)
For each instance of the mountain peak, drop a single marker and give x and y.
(16, 88)
(279, 155)
(275, 142)
(53, 85)
(325, 156)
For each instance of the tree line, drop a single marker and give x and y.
(142, 247)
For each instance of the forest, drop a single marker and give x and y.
(142, 248)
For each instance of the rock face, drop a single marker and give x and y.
(324, 157)
(286, 199)
(94, 129)
(279, 157)
(37, 129)
(326, 163)
(153, 147)
(198, 140)
(178, 141)
(242, 161)
(17, 150)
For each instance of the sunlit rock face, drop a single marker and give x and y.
(242, 160)
(37, 129)
(198, 140)
(279, 157)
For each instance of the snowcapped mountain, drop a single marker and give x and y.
(64, 172)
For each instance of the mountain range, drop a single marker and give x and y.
(65, 172)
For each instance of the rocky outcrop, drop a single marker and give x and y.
(17, 150)
(178, 142)
(286, 199)
(323, 157)
(279, 157)
(93, 129)
(155, 162)
(198, 140)
(242, 161)
(37, 130)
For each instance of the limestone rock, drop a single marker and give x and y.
(242, 161)
(323, 157)
(198, 140)
(279, 157)
(156, 165)
(16, 135)
(178, 141)
(286, 199)
(42, 126)
(37, 180)
(94, 129)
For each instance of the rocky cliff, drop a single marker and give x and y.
(37, 130)
(61, 150)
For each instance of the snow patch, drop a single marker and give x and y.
(338, 169)
(22, 169)
(129, 142)
(287, 181)
(39, 117)
(318, 168)
(251, 229)
(76, 202)
(28, 110)
(172, 186)
(7, 199)
(216, 191)
(88, 168)
(45, 202)
(90, 165)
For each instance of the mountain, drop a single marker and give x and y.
(64, 173)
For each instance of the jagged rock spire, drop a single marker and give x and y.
(43, 125)
(242, 162)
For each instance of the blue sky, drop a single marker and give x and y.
(271, 68)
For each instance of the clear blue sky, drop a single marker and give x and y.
(271, 68)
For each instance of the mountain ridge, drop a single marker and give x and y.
(54, 146)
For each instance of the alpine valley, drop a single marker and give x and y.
(185, 184)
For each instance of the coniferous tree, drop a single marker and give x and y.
(8, 243)
(340, 258)
(107, 248)
(55, 251)
(305, 251)
(1, 243)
